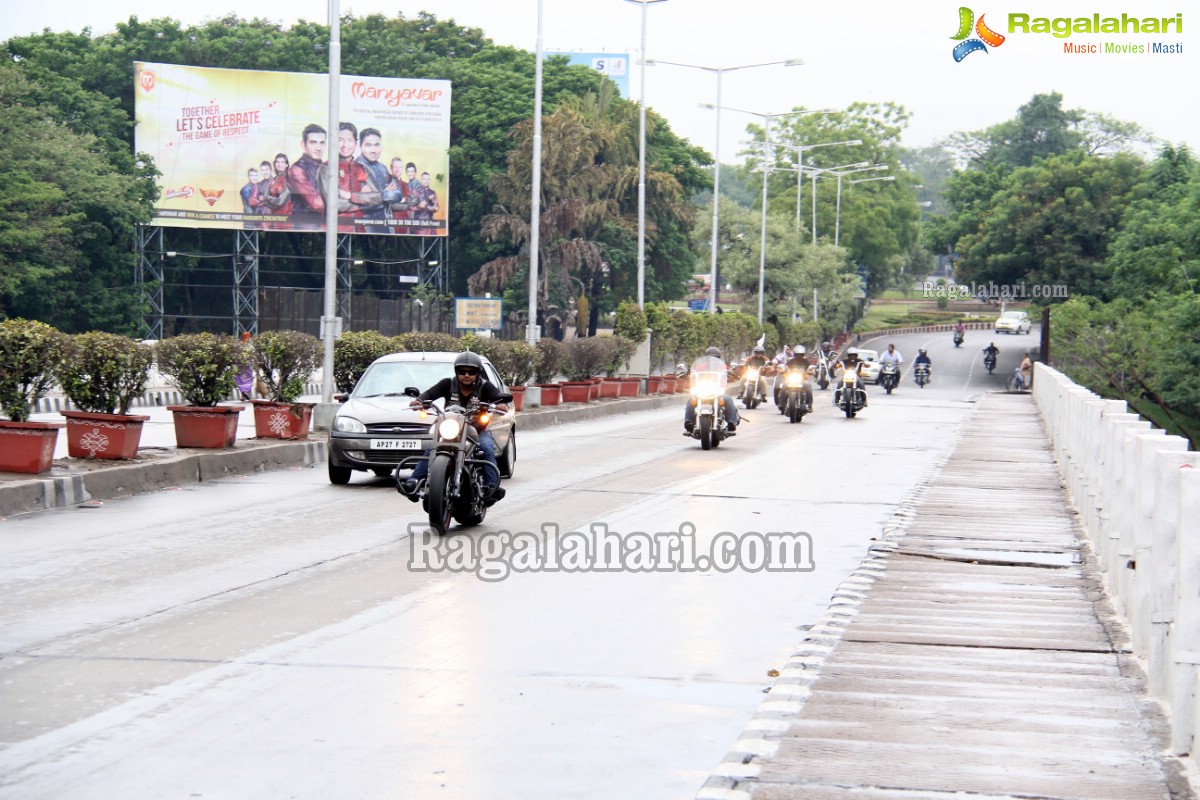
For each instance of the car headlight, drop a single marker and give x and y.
(449, 429)
(348, 425)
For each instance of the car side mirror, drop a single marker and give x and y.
(504, 397)
(412, 391)
(342, 397)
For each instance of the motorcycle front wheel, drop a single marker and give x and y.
(441, 508)
(706, 432)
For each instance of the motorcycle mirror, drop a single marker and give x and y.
(411, 391)
(504, 398)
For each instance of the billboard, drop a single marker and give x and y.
(614, 65)
(478, 313)
(242, 149)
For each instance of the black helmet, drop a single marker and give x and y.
(712, 351)
(469, 359)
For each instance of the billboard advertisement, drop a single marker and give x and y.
(614, 65)
(243, 149)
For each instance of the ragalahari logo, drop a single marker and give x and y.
(967, 23)
(147, 81)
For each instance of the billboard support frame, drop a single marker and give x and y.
(150, 279)
(245, 282)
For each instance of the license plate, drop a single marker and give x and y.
(395, 444)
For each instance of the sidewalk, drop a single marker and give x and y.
(972, 652)
(160, 464)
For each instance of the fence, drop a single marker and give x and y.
(1137, 491)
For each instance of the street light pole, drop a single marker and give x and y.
(329, 320)
(837, 219)
(720, 71)
(531, 330)
(641, 246)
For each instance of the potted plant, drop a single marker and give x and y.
(101, 375)
(285, 360)
(203, 366)
(30, 354)
(516, 362)
(353, 352)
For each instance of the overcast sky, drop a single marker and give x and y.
(873, 50)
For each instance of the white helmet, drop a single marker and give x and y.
(853, 351)
(799, 350)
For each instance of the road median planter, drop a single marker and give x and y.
(274, 420)
(27, 446)
(207, 427)
(94, 435)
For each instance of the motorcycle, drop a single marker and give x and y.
(989, 361)
(708, 399)
(822, 371)
(754, 389)
(456, 486)
(921, 374)
(958, 338)
(850, 397)
(793, 402)
(889, 376)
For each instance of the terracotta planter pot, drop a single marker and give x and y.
(205, 426)
(518, 393)
(28, 446)
(576, 392)
(550, 393)
(281, 420)
(610, 388)
(91, 435)
(657, 384)
(594, 385)
(630, 387)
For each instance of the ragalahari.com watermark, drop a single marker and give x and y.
(495, 555)
(994, 291)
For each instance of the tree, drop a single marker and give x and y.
(1052, 224)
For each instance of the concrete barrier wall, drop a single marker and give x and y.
(1137, 491)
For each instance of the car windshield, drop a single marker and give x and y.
(868, 355)
(1012, 315)
(393, 378)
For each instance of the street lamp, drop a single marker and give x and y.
(762, 250)
(720, 71)
(535, 212)
(837, 218)
(800, 170)
(641, 246)
(816, 171)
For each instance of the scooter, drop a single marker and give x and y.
(958, 338)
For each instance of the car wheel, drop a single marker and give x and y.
(507, 461)
(338, 476)
(383, 472)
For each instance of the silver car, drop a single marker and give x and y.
(871, 366)
(375, 429)
(1017, 322)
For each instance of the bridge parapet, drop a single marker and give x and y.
(1137, 492)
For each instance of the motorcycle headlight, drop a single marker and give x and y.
(850, 377)
(449, 429)
(751, 374)
(794, 380)
(348, 425)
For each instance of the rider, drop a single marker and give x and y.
(851, 362)
(991, 350)
(960, 330)
(757, 361)
(731, 414)
(923, 358)
(891, 356)
(799, 360)
(468, 384)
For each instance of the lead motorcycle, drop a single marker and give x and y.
(456, 486)
(850, 396)
(889, 376)
(709, 378)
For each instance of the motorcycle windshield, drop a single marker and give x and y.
(710, 374)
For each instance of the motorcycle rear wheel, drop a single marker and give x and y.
(440, 506)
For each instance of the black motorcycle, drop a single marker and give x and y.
(793, 400)
(850, 396)
(754, 387)
(456, 487)
(989, 361)
(889, 376)
(921, 374)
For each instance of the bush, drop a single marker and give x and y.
(425, 341)
(631, 322)
(103, 373)
(203, 366)
(549, 360)
(354, 352)
(286, 359)
(517, 363)
(585, 358)
(623, 350)
(30, 355)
